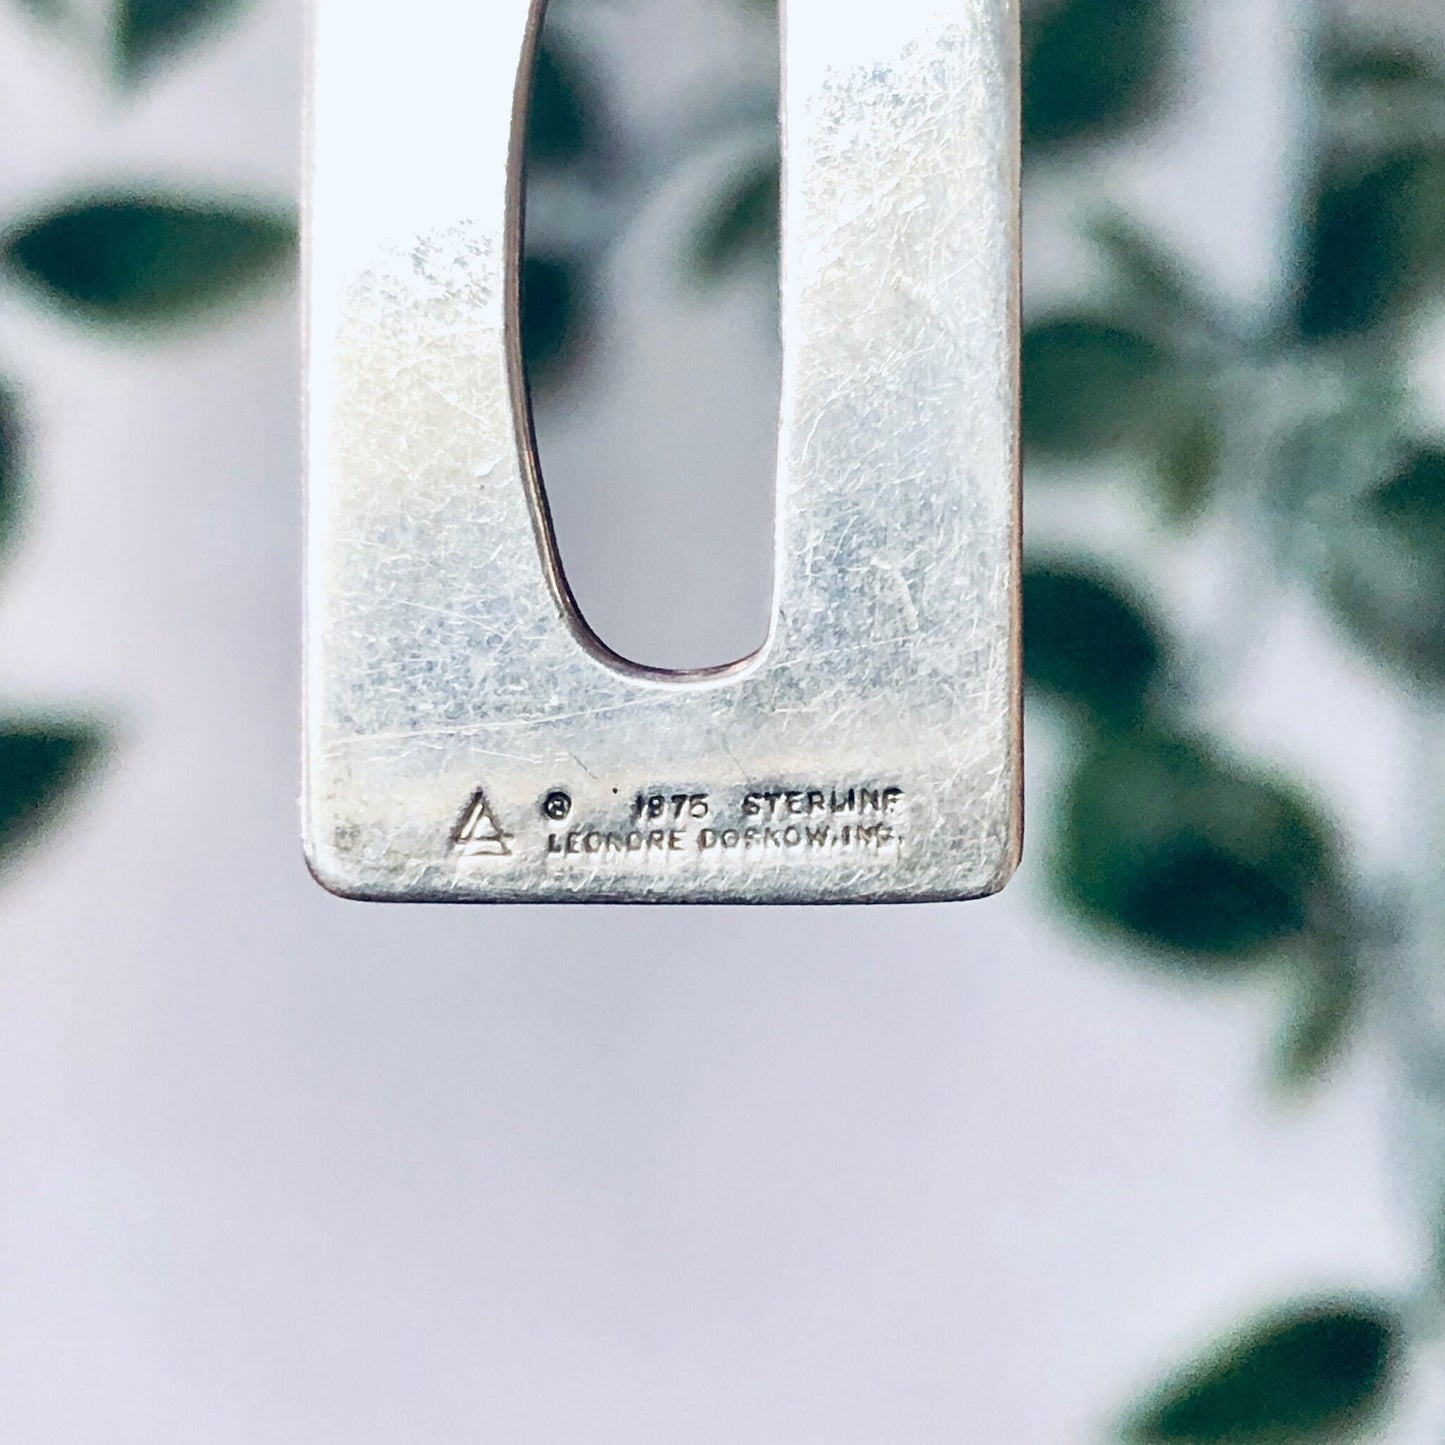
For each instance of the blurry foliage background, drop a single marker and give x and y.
(1295, 417)
(133, 259)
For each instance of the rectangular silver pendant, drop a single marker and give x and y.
(467, 738)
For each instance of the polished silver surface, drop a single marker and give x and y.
(468, 739)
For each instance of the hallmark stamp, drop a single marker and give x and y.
(478, 834)
(748, 825)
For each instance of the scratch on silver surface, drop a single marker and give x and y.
(871, 750)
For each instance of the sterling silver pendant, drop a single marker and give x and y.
(468, 739)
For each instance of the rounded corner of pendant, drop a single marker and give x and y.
(1010, 858)
(1004, 871)
(992, 872)
(342, 877)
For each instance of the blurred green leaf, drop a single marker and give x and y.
(1312, 1373)
(40, 766)
(1191, 451)
(1093, 67)
(1088, 384)
(1360, 65)
(743, 227)
(1092, 383)
(1385, 568)
(148, 32)
(1169, 844)
(10, 466)
(1412, 503)
(1374, 237)
(1324, 1015)
(1147, 268)
(554, 314)
(558, 127)
(139, 259)
(1089, 642)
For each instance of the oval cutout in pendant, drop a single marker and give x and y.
(649, 325)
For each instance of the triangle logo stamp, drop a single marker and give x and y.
(477, 835)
